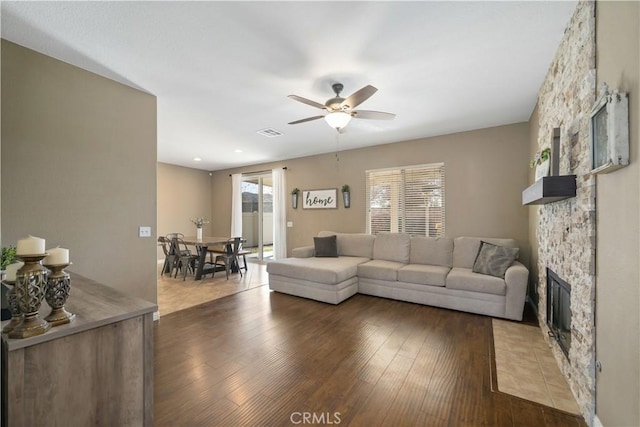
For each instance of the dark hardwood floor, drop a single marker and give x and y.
(268, 359)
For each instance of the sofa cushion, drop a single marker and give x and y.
(434, 275)
(494, 260)
(352, 244)
(392, 247)
(466, 280)
(465, 249)
(380, 269)
(326, 246)
(432, 251)
(322, 270)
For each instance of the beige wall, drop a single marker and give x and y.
(183, 194)
(79, 167)
(485, 172)
(618, 222)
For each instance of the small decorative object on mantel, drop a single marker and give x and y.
(346, 195)
(31, 283)
(199, 222)
(610, 131)
(541, 163)
(294, 198)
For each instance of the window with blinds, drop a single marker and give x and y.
(408, 199)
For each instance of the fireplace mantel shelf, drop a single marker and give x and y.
(550, 189)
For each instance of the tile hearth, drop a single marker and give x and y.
(526, 367)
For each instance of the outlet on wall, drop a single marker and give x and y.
(144, 232)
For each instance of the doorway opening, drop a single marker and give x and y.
(257, 215)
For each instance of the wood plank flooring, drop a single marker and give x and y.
(261, 358)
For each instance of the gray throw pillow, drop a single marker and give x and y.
(326, 246)
(494, 260)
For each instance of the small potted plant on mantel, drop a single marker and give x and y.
(541, 163)
(346, 195)
(294, 197)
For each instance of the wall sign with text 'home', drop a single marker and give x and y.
(320, 199)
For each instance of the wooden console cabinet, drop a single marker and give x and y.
(97, 370)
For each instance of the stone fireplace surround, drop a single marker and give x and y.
(565, 230)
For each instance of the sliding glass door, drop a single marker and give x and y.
(257, 214)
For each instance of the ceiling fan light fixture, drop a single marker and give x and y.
(338, 119)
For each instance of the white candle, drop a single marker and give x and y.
(11, 271)
(56, 256)
(30, 246)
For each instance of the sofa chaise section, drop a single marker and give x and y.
(331, 280)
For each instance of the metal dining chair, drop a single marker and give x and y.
(230, 257)
(169, 256)
(186, 259)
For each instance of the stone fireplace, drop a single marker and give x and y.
(565, 230)
(559, 311)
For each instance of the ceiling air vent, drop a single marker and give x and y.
(269, 132)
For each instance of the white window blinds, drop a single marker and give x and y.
(408, 199)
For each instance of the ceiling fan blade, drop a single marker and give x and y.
(307, 101)
(375, 115)
(308, 119)
(359, 97)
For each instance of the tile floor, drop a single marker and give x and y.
(176, 294)
(526, 367)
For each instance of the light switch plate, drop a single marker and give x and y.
(289, 224)
(144, 232)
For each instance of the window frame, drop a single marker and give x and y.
(402, 203)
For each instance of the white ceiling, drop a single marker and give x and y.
(222, 70)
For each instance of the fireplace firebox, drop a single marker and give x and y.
(559, 310)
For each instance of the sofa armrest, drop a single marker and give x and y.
(516, 277)
(303, 252)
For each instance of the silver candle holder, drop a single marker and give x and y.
(31, 283)
(57, 293)
(16, 314)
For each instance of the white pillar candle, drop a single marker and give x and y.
(30, 246)
(11, 271)
(56, 256)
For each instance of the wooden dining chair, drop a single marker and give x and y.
(230, 257)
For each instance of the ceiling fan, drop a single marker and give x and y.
(341, 110)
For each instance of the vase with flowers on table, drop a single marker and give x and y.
(199, 222)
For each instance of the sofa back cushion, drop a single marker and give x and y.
(392, 247)
(352, 244)
(465, 249)
(432, 251)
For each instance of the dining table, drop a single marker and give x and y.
(203, 245)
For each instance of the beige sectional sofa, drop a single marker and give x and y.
(424, 270)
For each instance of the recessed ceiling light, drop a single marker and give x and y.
(237, 150)
(197, 159)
